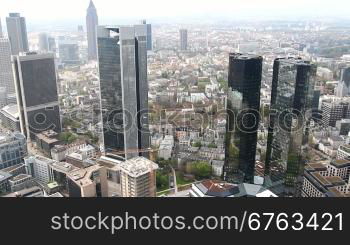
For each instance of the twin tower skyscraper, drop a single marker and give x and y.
(122, 59)
(291, 103)
(121, 52)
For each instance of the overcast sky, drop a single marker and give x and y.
(58, 10)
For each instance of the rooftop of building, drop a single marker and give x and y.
(138, 166)
(12, 168)
(63, 167)
(28, 192)
(8, 137)
(315, 167)
(58, 149)
(49, 136)
(294, 60)
(345, 148)
(11, 110)
(334, 192)
(341, 163)
(82, 176)
(216, 188)
(328, 181)
(336, 138)
(241, 56)
(52, 185)
(57, 194)
(4, 176)
(41, 159)
(87, 148)
(20, 177)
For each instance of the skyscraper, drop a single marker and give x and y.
(43, 42)
(149, 35)
(68, 52)
(1, 35)
(122, 58)
(6, 77)
(243, 105)
(91, 24)
(17, 33)
(291, 103)
(183, 39)
(13, 149)
(138, 178)
(36, 88)
(333, 111)
(343, 88)
(52, 44)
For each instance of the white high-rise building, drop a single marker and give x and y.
(138, 177)
(6, 76)
(39, 168)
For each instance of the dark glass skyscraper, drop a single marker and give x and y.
(17, 33)
(122, 57)
(91, 24)
(36, 88)
(243, 105)
(291, 103)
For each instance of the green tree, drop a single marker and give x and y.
(201, 169)
(162, 181)
(67, 137)
(197, 144)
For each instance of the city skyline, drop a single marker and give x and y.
(252, 104)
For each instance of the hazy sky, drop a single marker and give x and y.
(58, 10)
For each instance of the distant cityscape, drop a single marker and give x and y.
(252, 109)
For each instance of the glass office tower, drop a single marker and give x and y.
(243, 105)
(291, 103)
(36, 89)
(122, 57)
(17, 33)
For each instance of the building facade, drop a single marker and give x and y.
(69, 52)
(9, 118)
(36, 88)
(343, 88)
(138, 178)
(183, 39)
(13, 149)
(43, 42)
(243, 105)
(334, 110)
(327, 180)
(39, 168)
(17, 33)
(6, 76)
(122, 58)
(291, 104)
